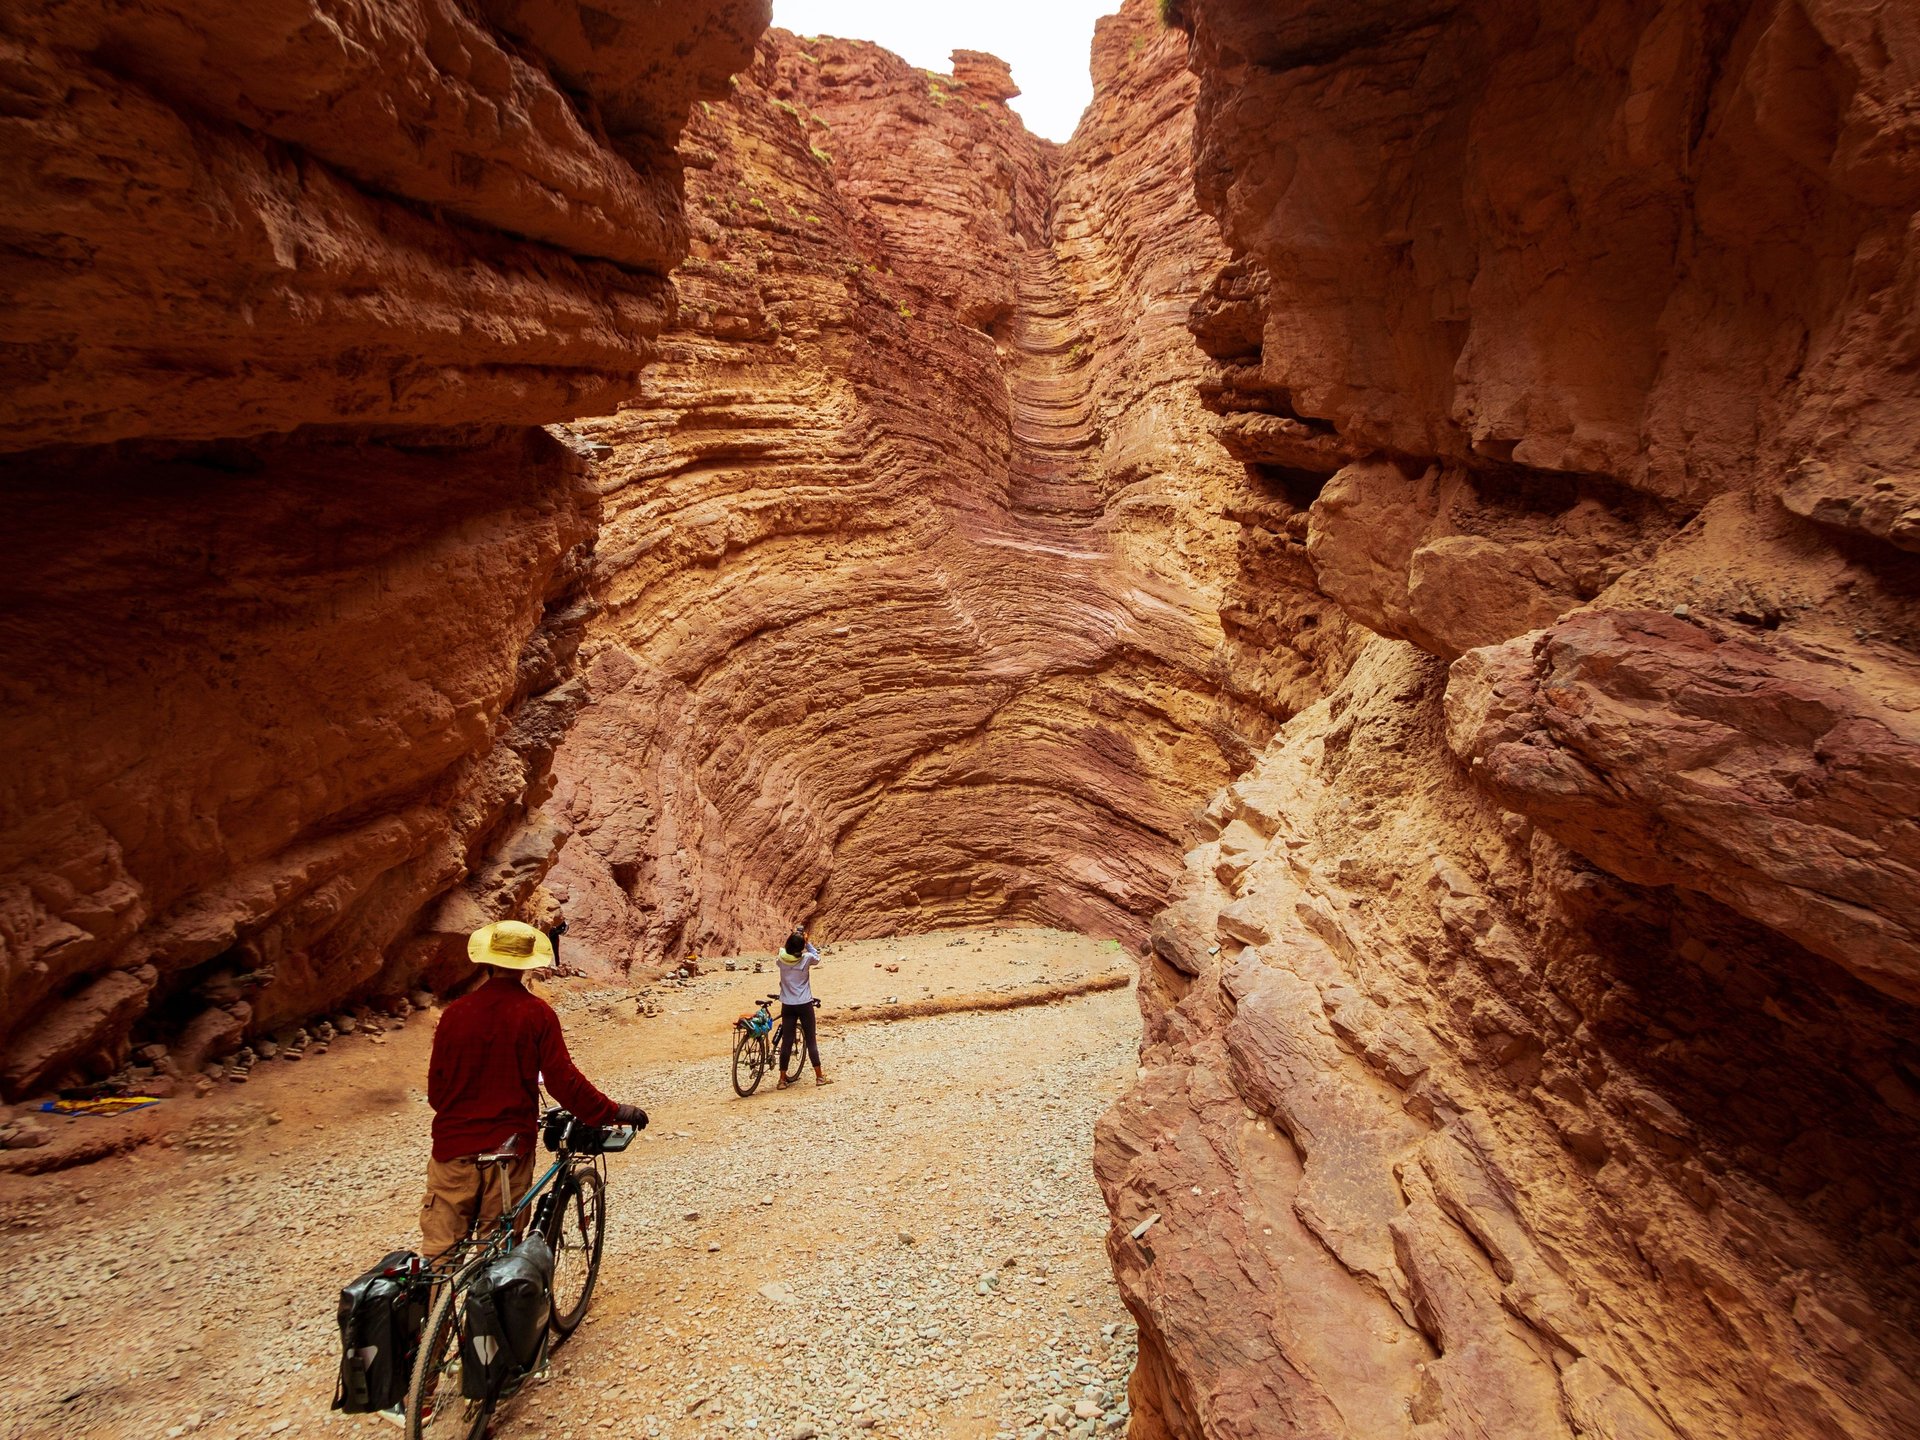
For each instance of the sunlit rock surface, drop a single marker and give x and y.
(1531, 1053)
(929, 598)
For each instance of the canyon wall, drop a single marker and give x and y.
(1530, 1045)
(929, 599)
(288, 290)
(899, 585)
(1531, 1049)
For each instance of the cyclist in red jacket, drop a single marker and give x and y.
(494, 1047)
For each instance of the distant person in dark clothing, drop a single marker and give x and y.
(797, 959)
(494, 1047)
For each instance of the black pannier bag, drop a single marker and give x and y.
(508, 1305)
(381, 1315)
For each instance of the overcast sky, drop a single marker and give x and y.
(1045, 41)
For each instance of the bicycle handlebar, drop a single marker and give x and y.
(561, 1132)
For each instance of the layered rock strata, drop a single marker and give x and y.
(310, 213)
(929, 600)
(287, 291)
(1530, 1051)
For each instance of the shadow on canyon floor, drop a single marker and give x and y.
(914, 1251)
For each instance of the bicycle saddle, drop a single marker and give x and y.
(508, 1151)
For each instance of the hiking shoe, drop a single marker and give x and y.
(394, 1415)
(821, 1079)
(784, 1083)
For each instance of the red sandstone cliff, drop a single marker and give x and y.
(286, 289)
(1531, 1051)
(929, 599)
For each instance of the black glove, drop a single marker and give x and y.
(630, 1115)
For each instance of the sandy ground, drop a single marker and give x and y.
(914, 1249)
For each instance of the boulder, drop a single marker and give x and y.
(1780, 779)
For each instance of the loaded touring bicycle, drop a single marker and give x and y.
(449, 1341)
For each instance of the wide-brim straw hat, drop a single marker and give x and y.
(510, 944)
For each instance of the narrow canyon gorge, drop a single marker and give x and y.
(1409, 521)
(929, 599)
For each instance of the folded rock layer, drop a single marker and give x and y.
(1532, 1051)
(1530, 1044)
(288, 289)
(929, 599)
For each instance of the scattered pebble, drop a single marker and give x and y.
(932, 1262)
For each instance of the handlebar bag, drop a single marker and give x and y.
(508, 1305)
(381, 1315)
(554, 1130)
(564, 1132)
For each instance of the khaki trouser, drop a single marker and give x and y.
(457, 1192)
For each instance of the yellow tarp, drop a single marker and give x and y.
(105, 1105)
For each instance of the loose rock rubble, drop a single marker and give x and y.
(915, 1251)
(849, 1276)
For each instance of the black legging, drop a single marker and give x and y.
(799, 1017)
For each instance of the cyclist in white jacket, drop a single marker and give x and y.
(797, 960)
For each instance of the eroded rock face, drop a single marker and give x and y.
(287, 289)
(1652, 247)
(1531, 1053)
(1780, 780)
(269, 771)
(929, 601)
(1458, 1133)
(315, 213)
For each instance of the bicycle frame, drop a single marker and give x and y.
(505, 1231)
(451, 1273)
(770, 1037)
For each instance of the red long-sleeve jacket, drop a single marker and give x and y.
(494, 1046)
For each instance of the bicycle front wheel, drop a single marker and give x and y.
(576, 1229)
(749, 1061)
(436, 1410)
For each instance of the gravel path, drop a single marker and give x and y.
(914, 1250)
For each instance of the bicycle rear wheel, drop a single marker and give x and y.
(749, 1061)
(436, 1410)
(576, 1229)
